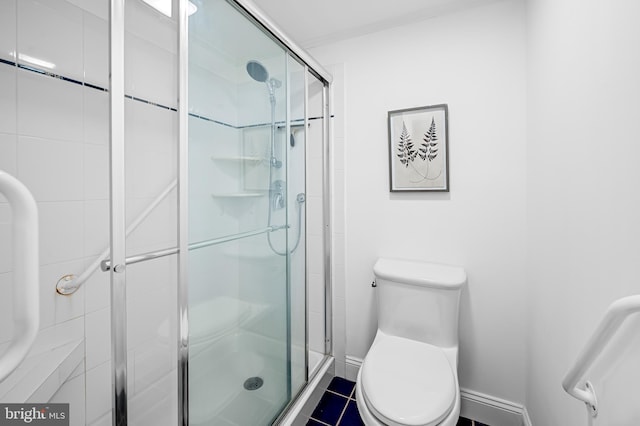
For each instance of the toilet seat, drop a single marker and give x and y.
(407, 383)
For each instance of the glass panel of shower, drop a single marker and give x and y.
(150, 166)
(247, 263)
(54, 138)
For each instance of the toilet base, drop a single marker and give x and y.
(370, 420)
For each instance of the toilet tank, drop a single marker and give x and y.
(419, 300)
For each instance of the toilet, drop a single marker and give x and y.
(409, 377)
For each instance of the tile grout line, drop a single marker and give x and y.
(339, 394)
(352, 395)
(319, 421)
(344, 410)
(135, 98)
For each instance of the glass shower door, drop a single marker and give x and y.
(245, 219)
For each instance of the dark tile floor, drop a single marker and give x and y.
(337, 407)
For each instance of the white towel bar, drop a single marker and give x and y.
(617, 312)
(26, 298)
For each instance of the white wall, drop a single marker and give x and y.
(583, 202)
(475, 62)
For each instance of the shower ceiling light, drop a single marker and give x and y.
(34, 61)
(164, 6)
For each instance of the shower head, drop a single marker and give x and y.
(257, 71)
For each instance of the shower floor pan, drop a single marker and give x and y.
(217, 376)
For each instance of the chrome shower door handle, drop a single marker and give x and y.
(26, 299)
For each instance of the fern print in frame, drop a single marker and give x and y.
(406, 152)
(422, 165)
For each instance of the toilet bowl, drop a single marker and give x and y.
(409, 376)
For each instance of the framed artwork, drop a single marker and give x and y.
(419, 149)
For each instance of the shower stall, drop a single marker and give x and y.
(177, 152)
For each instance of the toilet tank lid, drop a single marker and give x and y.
(420, 273)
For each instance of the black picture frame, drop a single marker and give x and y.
(419, 149)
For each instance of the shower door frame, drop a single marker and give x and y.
(117, 205)
(252, 12)
(118, 201)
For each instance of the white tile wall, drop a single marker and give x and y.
(143, 59)
(104, 420)
(8, 155)
(8, 150)
(44, 103)
(98, 337)
(61, 231)
(316, 293)
(98, 399)
(79, 370)
(64, 332)
(6, 304)
(316, 254)
(96, 223)
(8, 99)
(6, 254)
(315, 224)
(151, 363)
(8, 29)
(211, 95)
(316, 331)
(157, 231)
(72, 392)
(52, 170)
(149, 25)
(95, 172)
(314, 173)
(99, 8)
(151, 149)
(314, 132)
(96, 116)
(96, 49)
(97, 289)
(51, 31)
(47, 301)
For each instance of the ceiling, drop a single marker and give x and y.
(312, 22)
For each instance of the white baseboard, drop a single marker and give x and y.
(474, 405)
(352, 367)
(491, 410)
